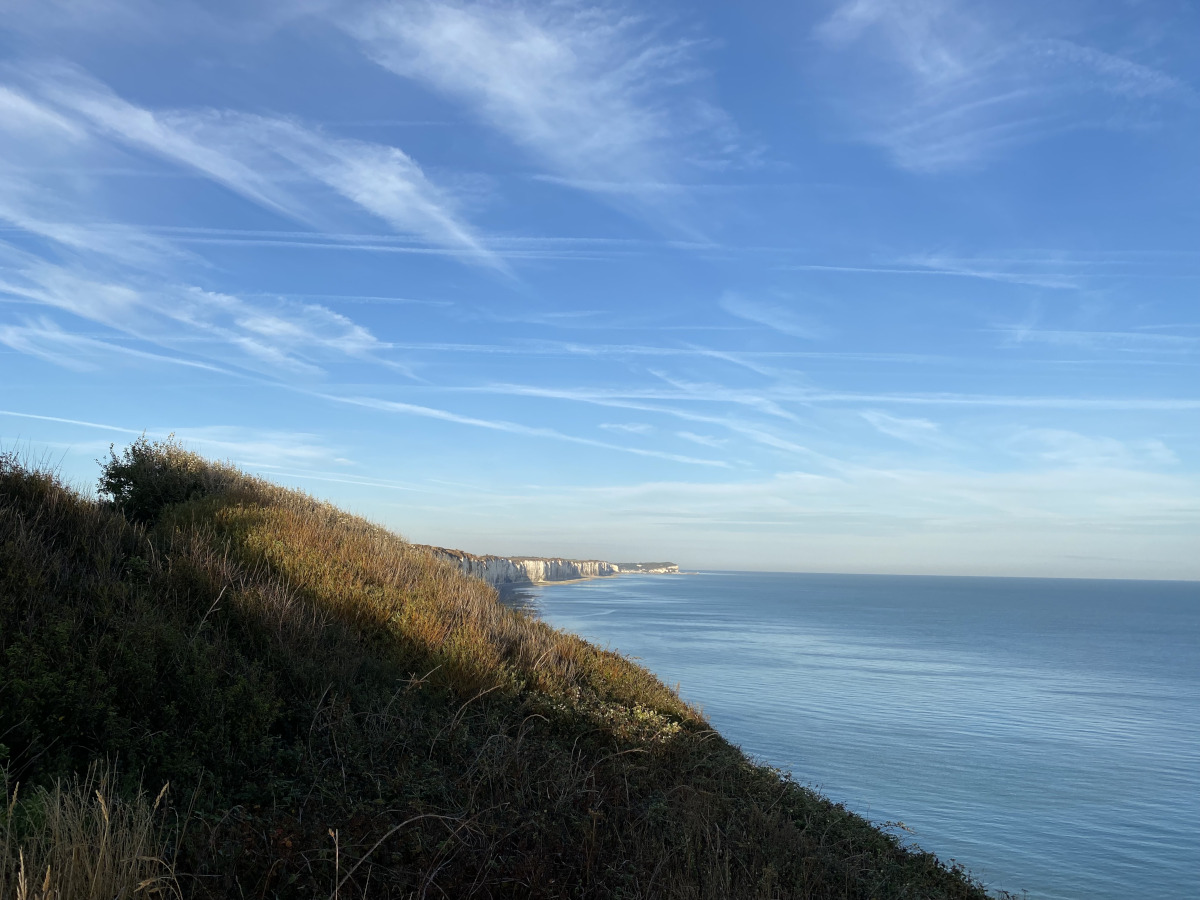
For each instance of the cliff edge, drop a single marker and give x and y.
(508, 571)
(649, 568)
(339, 713)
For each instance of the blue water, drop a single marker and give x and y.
(1043, 733)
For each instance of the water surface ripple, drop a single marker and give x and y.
(1044, 733)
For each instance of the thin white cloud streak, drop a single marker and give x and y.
(705, 440)
(627, 427)
(668, 189)
(40, 203)
(921, 432)
(620, 400)
(47, 341)
(496, 243)
(18, 113)
(62, 421)
(640, 399)
(941, 265)
(510, 428)
(286, 337)
(276, 453)
(900, 498)
(366, 298)
(757, 400)
(1065, 280)
(1115, 74)
(774, 316)
(1061, 447)
(594, 93)
(943, 521)
(359, 482)
(1164, 404)
(942, 84)
(258, 157)
(741, 358)
(166, 135)
(260, 448)
(126, 278)
(1128, 341)
(317, 243)
(1055, 270)
(708, 392)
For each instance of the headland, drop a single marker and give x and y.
(523, 571)
(339, 713)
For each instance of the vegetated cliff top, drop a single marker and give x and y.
(463, 554)
(340, 713)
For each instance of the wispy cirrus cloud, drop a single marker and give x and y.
(1056, 269)
(517, 428)
(774, 397)
(262, 448)
(64, 421)
(1036, 273)
(1069, 448)
(1122, 341)
(775, 316)
(942, 84)
(1142, 523)
(252, 447)
(44, 188)
(650, 401)
(922, 432)
(46, 340)
(705, 440)
(18, 113)
(598, 95)
(140, 282)
(277, 163)
(219, 327)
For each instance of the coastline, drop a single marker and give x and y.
(519, 595)
(503, 572)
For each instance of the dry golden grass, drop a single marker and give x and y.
(80, 840)
(358, 718)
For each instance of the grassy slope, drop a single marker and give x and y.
(345, 706)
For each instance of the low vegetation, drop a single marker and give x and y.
(81, 839)
(340, 714)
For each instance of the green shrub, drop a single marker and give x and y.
(149, 475)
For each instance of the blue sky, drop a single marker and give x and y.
(852, 286)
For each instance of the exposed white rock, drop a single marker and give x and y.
(516, 570)
(650, 568)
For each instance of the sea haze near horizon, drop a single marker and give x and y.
(1041, 732)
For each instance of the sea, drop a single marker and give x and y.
(1043, 733)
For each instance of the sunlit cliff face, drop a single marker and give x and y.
(501, 570)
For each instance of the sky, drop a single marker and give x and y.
(836, 286)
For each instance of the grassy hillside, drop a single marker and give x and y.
(338, 713)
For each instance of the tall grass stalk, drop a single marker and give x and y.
(78, 840)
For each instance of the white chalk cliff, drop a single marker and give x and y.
(501, 571)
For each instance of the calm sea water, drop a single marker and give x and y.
(1044, 733)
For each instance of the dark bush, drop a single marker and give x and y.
(149, 476)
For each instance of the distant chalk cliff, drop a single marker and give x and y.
(650, 568)
(512, 571)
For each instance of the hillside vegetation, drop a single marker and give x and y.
(338, 713)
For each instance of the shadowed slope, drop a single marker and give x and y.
(354, 712)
